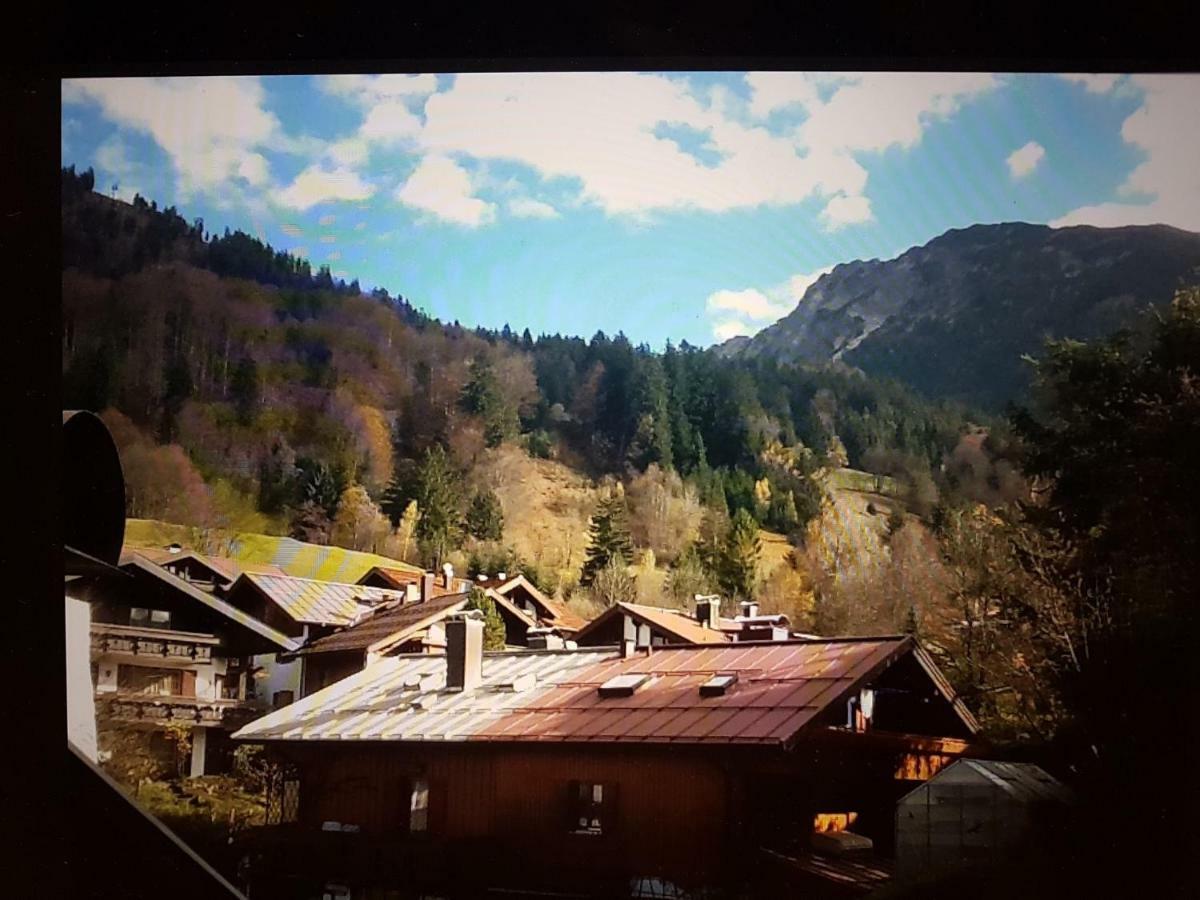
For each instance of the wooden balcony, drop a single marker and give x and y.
(158, 709)
(157, 644)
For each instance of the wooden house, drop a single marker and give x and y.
(594, 769)
(657, 626)
(414, 624)
(164, 652)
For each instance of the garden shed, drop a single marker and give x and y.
(972, 812)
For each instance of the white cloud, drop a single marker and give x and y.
(1024, 160)
(291, 229)
(1165, 187)
(360, 226)
(390, 121)
(844, 210)
(371, 89)
(1095, 84)
(750, 303)
(327, 219)
(443, 188)
(746, 311)
(209, 127)
(599, 129)
(528, 208)
(317, 185)
(723, 331)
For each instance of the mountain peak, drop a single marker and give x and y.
(954, 316)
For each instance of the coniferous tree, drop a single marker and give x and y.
(245, 390)
(493, 625)
(439, 496)
(739, 558)
(608, 536)
(485, 517)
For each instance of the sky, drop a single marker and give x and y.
(668, 206)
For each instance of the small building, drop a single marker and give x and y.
(657, 626)
(597, 768)
(166, 653)
(302, 608)
(971, 812)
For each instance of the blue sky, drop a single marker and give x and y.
(666, 205)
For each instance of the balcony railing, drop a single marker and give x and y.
(152, 643)
(163, 709)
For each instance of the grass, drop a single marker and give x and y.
(294, 557)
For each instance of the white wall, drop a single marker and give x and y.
(280, 677)
(81, 701)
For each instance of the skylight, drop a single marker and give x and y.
(623, 685)
(718, 685)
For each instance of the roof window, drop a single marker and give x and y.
(718, 685)
(623, 685)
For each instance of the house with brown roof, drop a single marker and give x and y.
(164, 652)
(413, 624)
(656, 626)
(598, 769)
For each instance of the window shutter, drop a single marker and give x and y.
(189, 684)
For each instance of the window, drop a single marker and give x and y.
(281, 699)
(149, 618)
(590, 805)
(283, 796)
(150, 681)
(418, 814)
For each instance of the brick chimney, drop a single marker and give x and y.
(464, 651)
(426, 586)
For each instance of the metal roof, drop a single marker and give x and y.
(317, 602)
(404, 698)
(781, 688)
(214, 603)
(391, 624)
(1021, 781)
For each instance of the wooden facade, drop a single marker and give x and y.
(693, 816)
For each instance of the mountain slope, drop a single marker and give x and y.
(952, 318)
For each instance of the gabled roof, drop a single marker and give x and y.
(138, 563)
(316, 602)
(781, 689)
(559, 615)
(223, 568)
(389, 625)
(676, 623)
(399, 579)
(1023, 782)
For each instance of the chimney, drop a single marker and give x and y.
(708, 610)
(426, 586)
(503, 576)
(447, 575)
(629, 636)
(749, 609)
(412, 592)
(464, 651)
(544, 639)
(174, 548)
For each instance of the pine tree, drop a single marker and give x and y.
(485, 517)
(493, 625)
(608, 536)
(739, 557)
(439, 496)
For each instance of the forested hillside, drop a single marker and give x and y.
(246, 392)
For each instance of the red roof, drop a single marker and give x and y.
(674, 622)
(781, 688)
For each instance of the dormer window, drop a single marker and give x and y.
(623, 685)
